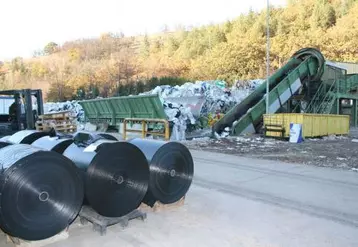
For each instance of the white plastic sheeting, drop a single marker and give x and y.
(217, 99)
(72, 106)
(212, 92)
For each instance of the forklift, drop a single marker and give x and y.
(20, 115)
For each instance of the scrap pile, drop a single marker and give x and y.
(71, 106)
(217, 97)
(56, 175)
(189, 107)
(198, 105)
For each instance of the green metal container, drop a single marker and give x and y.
(114, 110)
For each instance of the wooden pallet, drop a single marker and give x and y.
(23, 243)
(53, 124)
(100, 223)
(60, 121)
(160, 206)
(66, 115)
(70, 128)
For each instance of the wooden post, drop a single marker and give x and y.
(166, 129)
(125, 129)
(355, 113)
(143, 129)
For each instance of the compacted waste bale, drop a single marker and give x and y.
(115, 174)
(171, 170)
(41, 192)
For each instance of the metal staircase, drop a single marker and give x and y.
(317, 99)
(324, 99)
(326, 106)
(352, 82)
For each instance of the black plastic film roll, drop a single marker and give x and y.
(56, 143)
(171, 170)
(26, 136)
(4, 144)
(108, 136)
(41, 192)
(116, 178)
(4, 138)
(90, 137)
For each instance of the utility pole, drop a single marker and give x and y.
(267, 56)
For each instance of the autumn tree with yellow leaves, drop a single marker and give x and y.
(115, 64)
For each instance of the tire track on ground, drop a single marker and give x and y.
(268, 171)
(308, 209)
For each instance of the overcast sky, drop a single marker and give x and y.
(28, 25)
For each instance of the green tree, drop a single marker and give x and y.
(145, 47)
(171, 45)
(346, 5)
(81, 93)
(139, 86)
(50, 48)
(116, 65)
(324, 15)
(18, 65)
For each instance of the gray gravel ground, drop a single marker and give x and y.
(250, 198)
(332, 151)
(244, 202)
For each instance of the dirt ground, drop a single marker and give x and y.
(332, 151)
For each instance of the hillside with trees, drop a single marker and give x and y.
(235, 50)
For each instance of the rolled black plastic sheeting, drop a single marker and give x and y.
(26, 136)
(171, 170)
(4, 138)
(4, 144)
(90, 137)
(108, 136)
(57, 144)
(116, 175)
(41, 192)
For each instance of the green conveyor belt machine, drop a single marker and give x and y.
(297, 82)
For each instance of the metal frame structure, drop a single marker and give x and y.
(27, 93)
(332, 94)
(144, 131)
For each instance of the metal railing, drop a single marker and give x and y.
(316, 98)
(322, 99)
(144, 131)
(352, 82)
(328, 100)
